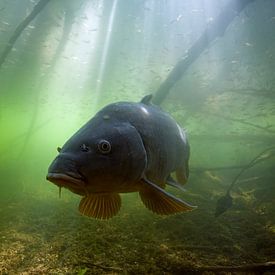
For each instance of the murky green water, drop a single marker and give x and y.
(77, 56)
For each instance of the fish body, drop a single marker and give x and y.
(126, 147)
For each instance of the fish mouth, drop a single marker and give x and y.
(72, 181)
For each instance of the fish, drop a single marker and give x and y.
(126, 147)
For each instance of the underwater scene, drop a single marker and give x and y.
(137, 137)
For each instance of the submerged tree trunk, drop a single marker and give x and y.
(242, 121)
(258, 268)
(20, 28)
(68, 21)
(217, 28)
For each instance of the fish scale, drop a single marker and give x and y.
(126, 147)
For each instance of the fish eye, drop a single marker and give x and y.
(84, 148)
(104, 146)
(58, 149)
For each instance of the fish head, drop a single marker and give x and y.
(64, 172)
(100, 158)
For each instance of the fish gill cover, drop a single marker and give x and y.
(209, 64)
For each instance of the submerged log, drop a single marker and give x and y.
(258, 268)
(254, 92)
(218, 168)
(217, 28)
(246, 138)
(242, 121)
(20, 28)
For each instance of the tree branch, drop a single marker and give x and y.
(20, 28)
(242, 121)
(217, 28)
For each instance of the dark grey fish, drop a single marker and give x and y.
(125, 147)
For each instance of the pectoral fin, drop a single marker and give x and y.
(100, 206)
(159, 201)
(182, 174)
(170, 181)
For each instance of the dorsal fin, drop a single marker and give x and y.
(147, 99)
